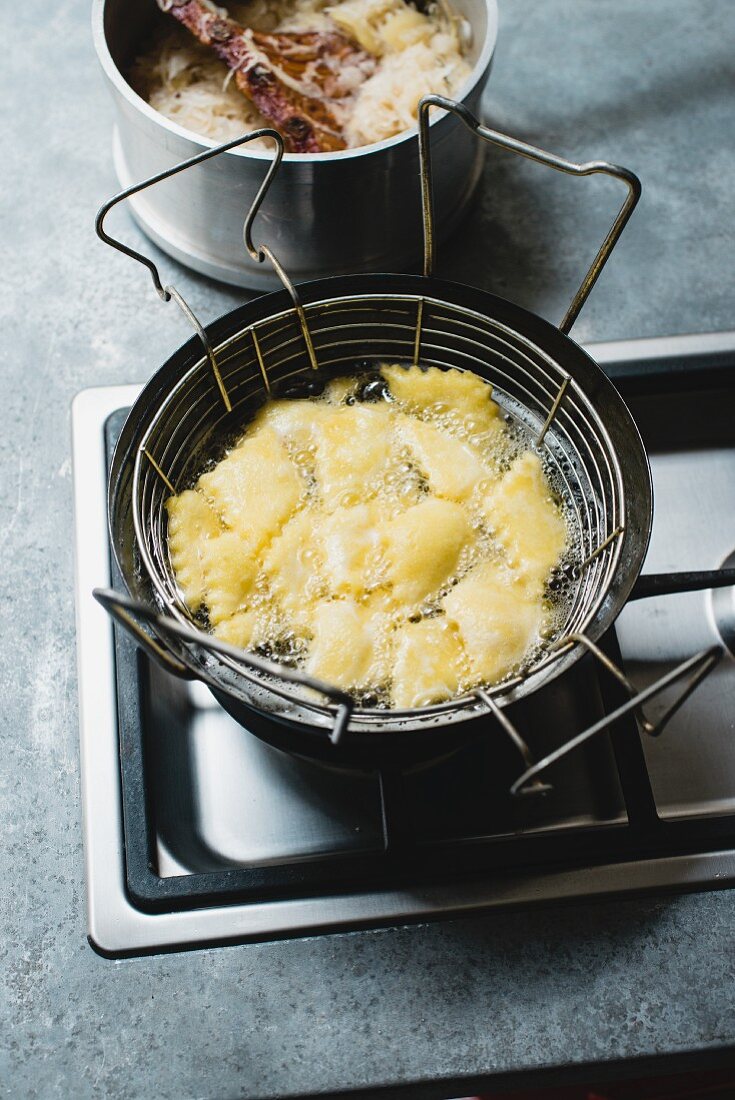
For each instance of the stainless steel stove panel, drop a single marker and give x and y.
(695, 491)
(242, 803)
(234, 822)
(226, 800)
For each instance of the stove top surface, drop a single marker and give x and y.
(197, 832)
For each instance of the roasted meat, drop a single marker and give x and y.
(296, 81)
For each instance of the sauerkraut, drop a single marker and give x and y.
(418, 54)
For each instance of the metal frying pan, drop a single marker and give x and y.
(292, 342)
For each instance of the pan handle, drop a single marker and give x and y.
(668, 584)
(530, 152)
(169, 293)
(127, 611)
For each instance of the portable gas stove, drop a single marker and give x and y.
(197, 832)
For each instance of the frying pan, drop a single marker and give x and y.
(292, 342)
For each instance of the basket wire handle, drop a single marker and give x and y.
(265, 253)
(695, 669)
(128, 611)
(530, 152)
(167, 293)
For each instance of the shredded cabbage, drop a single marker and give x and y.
(418, 53)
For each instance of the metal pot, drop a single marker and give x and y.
(326, 214)
(195, 403)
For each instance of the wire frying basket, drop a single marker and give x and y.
(324, 330)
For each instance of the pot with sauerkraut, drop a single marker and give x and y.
(340, 81)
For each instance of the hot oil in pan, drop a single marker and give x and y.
(402, 483)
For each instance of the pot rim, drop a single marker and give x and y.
(117, 79)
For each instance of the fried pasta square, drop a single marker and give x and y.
(191, 523)
(525, 519)
(353, 452)
(430, 662)
(255, 488)
(464, 399)
(423, 548)
(452, 467)
(294, 568)
(499, 618)
(230, 572)
(353, 542)
(350, 646)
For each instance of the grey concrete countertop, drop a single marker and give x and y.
(647, 83)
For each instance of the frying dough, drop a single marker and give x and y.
(430, 663)
(191, 522)
(461, 398)
(352, 453)
(499, 619)
(423, 549)
(377, 538)
(453, 468)
(526, 521)
(230, 571)
(293, 565)
(241, 629)
(353, 541)
(256, 488)
(295, 422)
(350, 646)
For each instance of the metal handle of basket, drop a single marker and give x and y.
(170, 293)
(127, 612)
(695, 669)
(257, 252)
(530, 152)
(166, 293)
